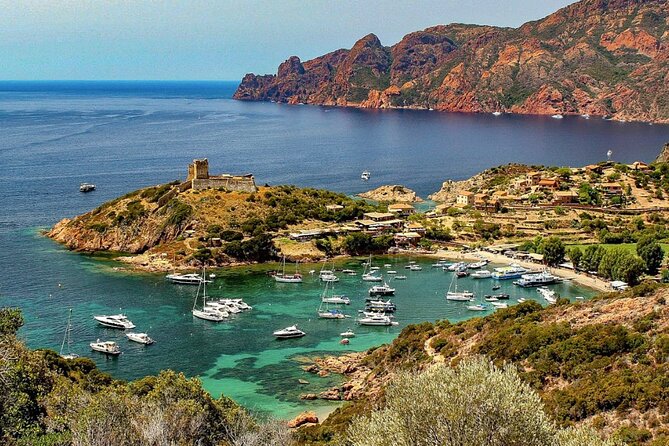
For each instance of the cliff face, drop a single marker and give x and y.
(601, 57)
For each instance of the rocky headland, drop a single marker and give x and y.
(601, 58)
(392, 193)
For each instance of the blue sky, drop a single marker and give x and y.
(207, 39)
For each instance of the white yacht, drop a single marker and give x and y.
(477, 307)
(329, 278)
(107, 347)
(513, 271)
(336, 299)
(289, 332)
(67, 340)
(186, 279)
(380, 305)
(86, 187)
(370, 277)
(376, 320)
(497, 113)
(548, 295)
(401, 277)
(481, 274)
(347, 334)
(142, 338)
(499, 304)
(364, 176)
(381, 290)
(536, 279)
(415, 267)
(331, 314)
(557, 116)
(119, 321)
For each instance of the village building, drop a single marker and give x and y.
(405, 239)
(521, 184)
(441, 209)
(465, 198)
(414, 227)
(638, 165)
(402, 209)
(594, 168)
(534, 177)
(565, 197)
(549, 184)
(379, 216)
(611, 188)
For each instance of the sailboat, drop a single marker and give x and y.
(288, 278)
(327, 313)
(67, 340)
(368, 275)
(462, 296)
(208, 313)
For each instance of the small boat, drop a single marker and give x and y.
(186, 279)
(481, 274)
(461, 296)
(371, 278)
(499, 304)
(513, 271)
(548, 295)
(289, 332)
(401, 277)
(496, 287)
(331, 314)
(336, 299)
(67, 340)
(86, 187)
(119, 321)
(364, 176)
(579, 298)
(142, 338)
(501, 296)
(381, 290)
(477, 307)
(497, 113)
(380, 305)
(461, 274)
(557, 116)
(415, 268)
(347, 334)
(345, 341)
(585, 116)
(107, 347)
(330, 278)
(349, 272)
(521, 300)
(477, 265)
(392, 271)
(387, 265)
(490, 299)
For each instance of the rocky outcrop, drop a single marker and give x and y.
(303, 418)
(663, 157)
(607, 58)
(392, 193)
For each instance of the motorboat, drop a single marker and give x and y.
(86, 187)
(536, 279)
(496, 287)
(387, 265)
(557, 116)
(347, 334)
(499, 304)
(500, 296)
(548, 295)
(376, 320)
(107, 347)
(497, 113)
(330, 278)
(481, 274)
(392, 271)
(381, 290)
(348, 272)
(221, 308)
(345, 341)
(461, 274)
(336, 299)
(288, 278)
(186, 279)
(401, 277)
(477, 265)
(477, 307)
(289, 332)
(142, 338)
(206, 312)
(374, 268)
(364, 176)
(514, 271)
(370, 277)
(67, 340)
(415, 268)
(456, 295)
(331, 314)
(380, 305)
(455, 266)
(119, 321)
(521, 300)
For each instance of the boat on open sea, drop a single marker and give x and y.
(364, 176)
(119, 321)
(289, 332)
(86, 187)
(106, 347)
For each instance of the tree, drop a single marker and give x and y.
(575, 255)
(475, 403)
(553, 250)
(620, 264)
(592, 257)
(651, 252)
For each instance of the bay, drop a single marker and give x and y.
(126, 135)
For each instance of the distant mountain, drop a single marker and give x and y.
(600, 57)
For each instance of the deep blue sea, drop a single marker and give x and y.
(126, 135)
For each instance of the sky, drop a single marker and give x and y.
(215, 39)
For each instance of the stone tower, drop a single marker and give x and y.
(199, 170)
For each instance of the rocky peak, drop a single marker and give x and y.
(663, 157)
(292, 66)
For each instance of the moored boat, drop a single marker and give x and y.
(141, 338)
(119, 321)
(381, 290)
(481, 274)
(186, 279)
(107, 347)
(289, 332)
(86, 187)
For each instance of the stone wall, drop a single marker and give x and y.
(230, 183)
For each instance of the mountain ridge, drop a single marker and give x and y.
(596, 57)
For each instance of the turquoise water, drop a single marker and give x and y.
(238, 358)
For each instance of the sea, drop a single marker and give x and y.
(123, 136)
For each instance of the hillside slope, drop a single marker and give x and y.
(597, 57)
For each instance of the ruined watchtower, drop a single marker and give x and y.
(198, 176)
